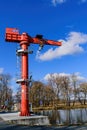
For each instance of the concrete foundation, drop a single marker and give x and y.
(23, 120)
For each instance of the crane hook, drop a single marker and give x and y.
(40, 47)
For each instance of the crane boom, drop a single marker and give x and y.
(12, 35)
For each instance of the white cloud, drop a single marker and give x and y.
(48, 76)
(1, 70)
(78, 75)
(55, 2)
(71, 45)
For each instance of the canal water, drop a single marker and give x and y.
(66, 117)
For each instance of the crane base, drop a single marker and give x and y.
(32, 120)
(24, 114)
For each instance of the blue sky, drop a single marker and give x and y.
(63, 20)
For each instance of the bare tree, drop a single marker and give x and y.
(76, 89)
(61, 87)
(17, 97)
(49, 95)
(74, 81)
(83, 90)
(66, 89)
(36, 93)
(41, 94)
(6, 99)
(55, 83)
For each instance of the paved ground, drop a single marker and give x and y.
(16, 127)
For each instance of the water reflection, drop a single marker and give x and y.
(66, 117)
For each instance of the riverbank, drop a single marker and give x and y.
(54, 126)
(59, 107)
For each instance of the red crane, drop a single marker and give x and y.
(13, 35)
